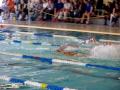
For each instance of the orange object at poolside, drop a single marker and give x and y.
(10, 4)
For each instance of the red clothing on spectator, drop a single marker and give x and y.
(10, 4)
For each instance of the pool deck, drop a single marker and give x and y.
(97, 29)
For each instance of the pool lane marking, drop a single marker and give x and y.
(44, 34)
(47, 35)
(59, 61)
(112, 41)
(34, 84)
(29, 42)
(64, 29)
(33, 43)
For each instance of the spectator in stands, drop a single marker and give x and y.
(49, 10)
(75, 10)
(11, 9)
(1, 19)
(10, 4)
(107, 12)
(23, 10)
(45, 5)
(82, 8)
(58, 10)
(39, 9)
(99, 7)
(115, 13)
(112, 11)
(4, 7)
(88, 10)
(16, 2)
(66, 9)
(36, 9)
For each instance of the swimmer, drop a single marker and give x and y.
(92, 40)
(64, 50)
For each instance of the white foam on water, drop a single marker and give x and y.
(71, 48)
(106, 51)
(45, 43)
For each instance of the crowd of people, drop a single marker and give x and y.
(60, 10)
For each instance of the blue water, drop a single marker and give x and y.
(77, 77)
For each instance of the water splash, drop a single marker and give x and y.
(106, 52)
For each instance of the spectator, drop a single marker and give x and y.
(11, 9)
(39, 9)
(36, 8)
(88, 11)
(112, 12)
(4, 7)
(10, 4)
(23, 10)
(58, 9)
(99, 7)
(115, 13)
(66, 9)
(73, 10)
(79, 8)
(107, 11)
(49, 10)
(45, 5)
(1, 16)
(1, 19)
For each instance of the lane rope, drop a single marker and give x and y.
(59, 61)
(34, 84)
(47, 35)
(112, 41)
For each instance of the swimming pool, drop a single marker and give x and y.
(22, 48)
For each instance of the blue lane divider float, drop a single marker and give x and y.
(6, 31)
(43, 35)
(103, 67)
(68, 62)
(33, 43)
(50, 61)
(47, 60)
(2, 37)
(17, 41)
(48, 35)
(54, 36)
(112, 41)
(34, 84)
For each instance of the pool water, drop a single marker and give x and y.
(78, 77)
